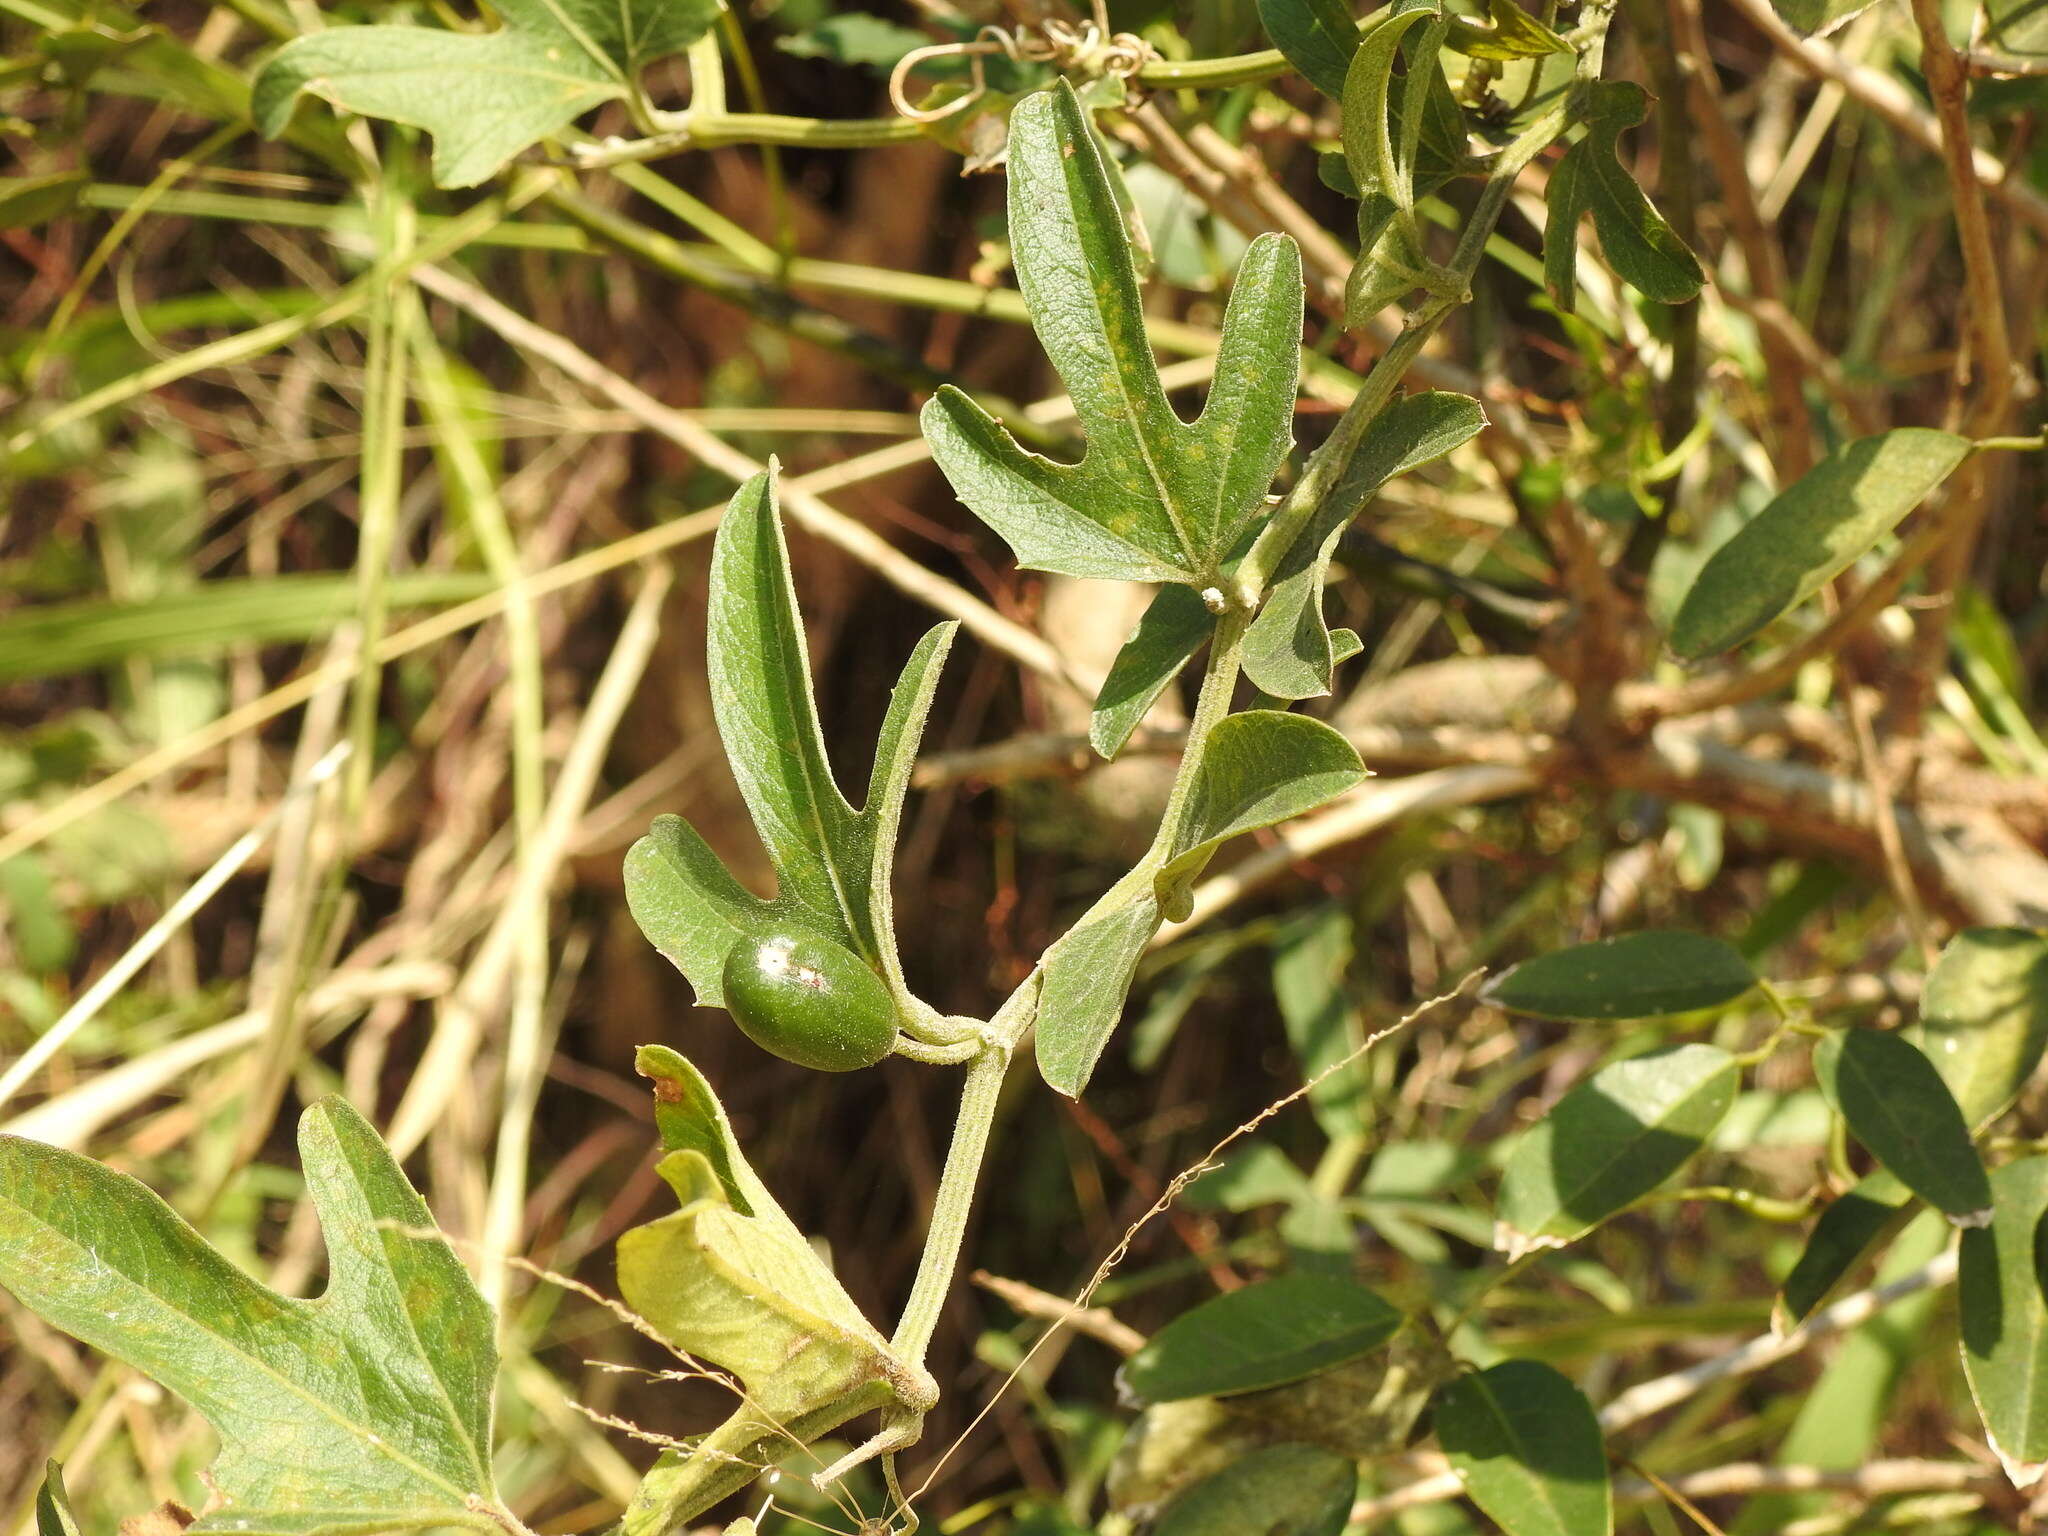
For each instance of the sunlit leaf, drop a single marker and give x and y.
(1154, 498)
(1527, 1446)
(832, 863)
(1087, 978)
(368, 1409)
(1900, 1109)
(53, 1505)
(1515, 34)
(483, 96)
(1610, 1141)
(1810, 533)
(1633, 976)
(2005, 1320)
(1984, 1017)
(1262, 1335)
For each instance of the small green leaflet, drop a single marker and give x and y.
(1154, 498)
(832, 863)
(1847, 1230)
(1264, 1335)
(1610, 1141)
(1317, 37)
(26, 201)
(1527, 1446)
(1311, 960)
(1278, 1490)
(1811, 532)
(1635, 976)
(366, 1410)
(2005, 1320)
(1984, 1017)
(1258, 768)
(53, 1505)
(1515, 34)
(728, 1278)
(483, 96)
(1637, 242)
(1382, 139)
(1288, 651)
(1174, 627)
(1900, 1109)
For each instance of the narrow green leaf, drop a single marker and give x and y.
(1984, 1017)
(484, 97)
(881, 818)
(1635, 976)
(1809, 534)
(1264, 1335)
(53, 1504)
(366, 1410)
(2005, 1320)
(1611, 1140)
(1853, 1224)
(1258, 768)
(1900, 1109)
(1278, 1490)
(1288, 650)
(1088, 973)
(26, 201)
(1382, 138)
(1515, 34)
(1310, 965)
(1527, 1446)
(41, 931)
(2011, 26)
(1154, 498)
(1317, 37)
(1174, 627)
(54, 639)
(1638, 244)
(1823, 16)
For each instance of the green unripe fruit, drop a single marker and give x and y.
(809, 1000)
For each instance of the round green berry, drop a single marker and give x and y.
(809, 1000)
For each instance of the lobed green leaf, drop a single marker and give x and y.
(1643, 250)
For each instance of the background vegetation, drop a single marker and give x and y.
(306, 452)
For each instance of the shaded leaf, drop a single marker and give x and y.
(1900, 1109)
(1819, 17)
(1088, 973)
(1527, 1446)
(1809, 534)
(368, 1409)
(26, 201)
(53, 1504)
(1853, 1223)
(1317, 37)
(1174, 626)
(1633, 976)
(1610, 1141)
(1288, 650)
(1310, 963)
(484, 97)
(1258, 768)
(1263, 1335)
(855, 37)
(1278, 1490)
(688, 905)
(1154, 498)
(2005, 1320)
(1643, 250)
(1984, 1017)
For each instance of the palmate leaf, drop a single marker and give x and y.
(730, 1280)
(483, 96)
(1154, 498)
(368, 1409)
(832, 863)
